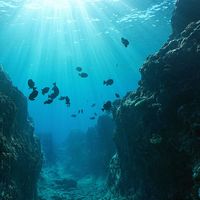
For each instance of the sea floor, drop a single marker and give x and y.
(55, 184)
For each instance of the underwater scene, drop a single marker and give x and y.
(99, 100)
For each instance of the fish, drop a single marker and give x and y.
(45, 90)
(67, 101)
(83, 75)
(33, 94)
(79, 69)
(92, 118)
(93, 105)
(73, 115)
(108, 82)
(55, 89)
(31, 84)
(107, 106)
(117, 95)
(95, 114)
(49, 101)
(125, 42)
(80, 111)
(55, 92)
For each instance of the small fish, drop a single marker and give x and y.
(83, 75)
(73, 115)
(95, 114)
(92, 118)
(93, 105)
(79, 69)
(117, 95)
(108, 82)
(33, 94)
(67, 101)
(31, 84)
(125, 42)
(55, 89)
(45, 90)
(107, 106)
(80, 111)
(49, 101)
(55, 92)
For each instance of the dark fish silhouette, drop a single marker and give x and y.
(55, 89)
(45, 90)
(117, 95)
(83, 75)
(79, 69)
(95, 114)
(80, 111)
(125, 42)
(92, 118)
(108, 82)
(93, 105)
(66, 98)
(107, 106)
(49, 101)
(55, 92)
(73, 115)
(31, 84)
(67, 101)
(33, 94)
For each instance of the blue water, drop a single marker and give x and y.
(47, 39)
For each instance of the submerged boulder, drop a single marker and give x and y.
(158, 126)
(20, 154)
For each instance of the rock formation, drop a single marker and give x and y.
(20, 154)
(186, 11)
(158, 126)
(90, 152)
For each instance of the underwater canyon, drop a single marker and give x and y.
(148, 147)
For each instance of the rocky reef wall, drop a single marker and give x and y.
(186, 11)
(158, 126)
(89, 153)
(20, 153)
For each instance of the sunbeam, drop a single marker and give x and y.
(51, 37)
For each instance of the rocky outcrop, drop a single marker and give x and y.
(20, 155)
(186, 11)
(158, 126)
(89, 153)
